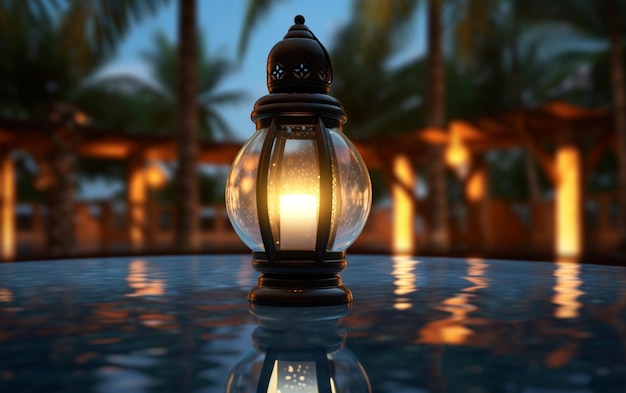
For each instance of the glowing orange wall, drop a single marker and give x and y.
(7, 207)
(403, 208)
(568, 202)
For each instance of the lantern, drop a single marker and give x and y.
(298, 193)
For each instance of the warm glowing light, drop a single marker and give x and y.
(139, 281)
(7, 207)
(568, 202)
(566, 292)
(445, 331)
(403, 208)
(81, 118)
(155, 174)
(137, 198)
(458, 305)
(110, 149)
(6, 295)
(298, 221)
(453, 330)
(475, 274)
(457, 155)
(561, 356)
(475, 186)
(403, 271)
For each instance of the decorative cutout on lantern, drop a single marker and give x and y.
(278, 72)
(302, 72)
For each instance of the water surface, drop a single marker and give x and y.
(181, 324)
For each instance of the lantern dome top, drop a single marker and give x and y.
(299, 63)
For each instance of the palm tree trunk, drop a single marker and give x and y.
(619, 108)
(436, 118)
(187, 223)
(60, 168)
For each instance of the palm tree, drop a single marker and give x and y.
(384, 16)
(38, 84)
(49, 49)
(505, 41)
(103, 23)
(156, 97)
(619, 108)
(187, 223)
(379, 99)
(149, 103)
(601, 21)
(379, 24)
(436, 118)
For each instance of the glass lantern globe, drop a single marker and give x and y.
(294, 192)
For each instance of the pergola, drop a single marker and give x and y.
(135, 149)
(555, 134)
(557, 125)
(567, 129)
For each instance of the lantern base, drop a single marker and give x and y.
(288, 291)
(298, 280)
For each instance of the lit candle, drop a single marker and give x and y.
(298, 222)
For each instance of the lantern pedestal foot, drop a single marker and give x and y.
(301, 291)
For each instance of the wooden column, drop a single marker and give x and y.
(106, 225)
(568, 201)
(137, 202)
(403, 239)
(7, 207)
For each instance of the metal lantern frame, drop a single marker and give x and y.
(315, 271)
(323, 112)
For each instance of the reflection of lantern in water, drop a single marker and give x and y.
(298, 193)
(299, 349)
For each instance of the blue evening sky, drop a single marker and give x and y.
(221, 23)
